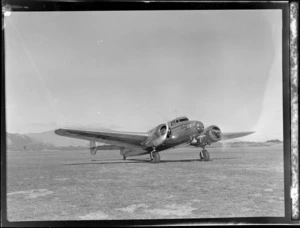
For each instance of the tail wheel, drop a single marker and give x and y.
(156, 157)
(206, 156)
(93, 151)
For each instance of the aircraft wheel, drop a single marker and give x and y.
(156, 158)
(93, 151)
(124, 157)
(206, 156)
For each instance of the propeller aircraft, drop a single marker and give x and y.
(178, 132)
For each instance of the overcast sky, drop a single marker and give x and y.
(132, 70)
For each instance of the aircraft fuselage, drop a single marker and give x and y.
(181, 132)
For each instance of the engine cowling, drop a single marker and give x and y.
(209, 135)
(158, 135)
(213, 133)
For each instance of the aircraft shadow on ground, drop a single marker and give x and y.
(130, 161)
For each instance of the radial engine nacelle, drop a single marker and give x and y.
(157, 135)
(213, 133)
(209, 135)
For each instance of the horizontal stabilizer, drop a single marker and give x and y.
(108, 147)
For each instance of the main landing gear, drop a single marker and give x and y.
(204, 155)
(154, 156)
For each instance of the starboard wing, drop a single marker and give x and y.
(131, 140)
(232, 135)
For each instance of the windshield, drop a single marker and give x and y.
(183, 119)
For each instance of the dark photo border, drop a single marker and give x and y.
(290, 12)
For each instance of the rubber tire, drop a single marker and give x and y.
(206, 156)
(156, 158)
(93, 152)
(124, 158)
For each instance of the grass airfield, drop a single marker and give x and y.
(74, 185)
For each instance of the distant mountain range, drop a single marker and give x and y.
(246, 143)
(24, 142)
(49, 140)
(43, 140)
(56, 140)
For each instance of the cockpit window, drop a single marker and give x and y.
(183, 119)
(179, 120)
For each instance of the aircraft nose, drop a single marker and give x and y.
(199, 126)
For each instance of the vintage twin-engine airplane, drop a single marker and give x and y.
(178, 132)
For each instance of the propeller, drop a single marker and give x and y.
(216, 132)
(166, 120)
(163, 130)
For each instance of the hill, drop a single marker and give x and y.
(246, 143)
(56, 140)
(23, 142)
(59, 141)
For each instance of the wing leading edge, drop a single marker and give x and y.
(232, 135)
(131, 140)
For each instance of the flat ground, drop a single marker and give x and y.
(74, 185)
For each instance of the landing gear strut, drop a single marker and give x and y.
(204, 155)
(154, 156)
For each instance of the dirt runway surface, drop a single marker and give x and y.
(74, 185)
